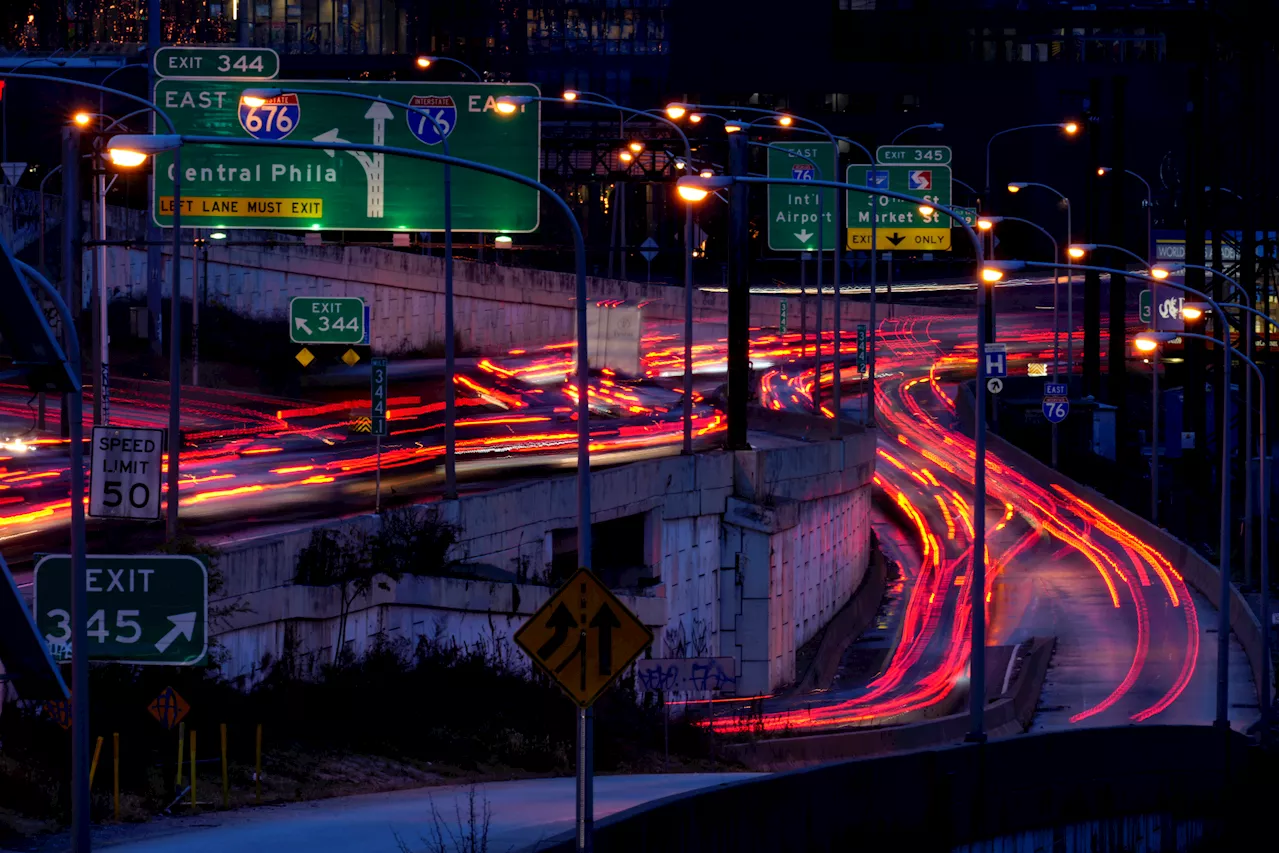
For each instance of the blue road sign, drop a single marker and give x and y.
(878, 179)
(1055, 389)
(273, 120)
(994, 364)
(441, 108)
(1055, 409)
(802, 172)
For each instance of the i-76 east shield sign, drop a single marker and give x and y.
(271, 186)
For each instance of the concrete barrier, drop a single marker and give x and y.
(496, 307)
(1009, 715)
(1103, 790)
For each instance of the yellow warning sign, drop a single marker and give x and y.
(901, 239)
(266, 207)
(583, 637)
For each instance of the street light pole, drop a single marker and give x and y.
(1224, 507)
(789, 120)
(993, 220)
(1264, 689)
(609, 103)
(80, 817)
(1106, 170)
(175, 443)
(817, 352)
(1248, 407)
(701, 187)
(869, 404)
(154, 144)
(1014, 186)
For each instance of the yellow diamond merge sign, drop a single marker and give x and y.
(583, 637)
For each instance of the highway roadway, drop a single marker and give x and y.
(1131, 634)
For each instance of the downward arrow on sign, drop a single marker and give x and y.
(184, 625)
(896, 238)
(803, 235)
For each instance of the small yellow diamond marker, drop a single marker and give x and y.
(305, 357)
(350, 357)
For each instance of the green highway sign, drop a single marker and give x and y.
(900, 224)
(793, 210)
(279, 188)
(907, 155)
(379, 388)
(1144, 307)
(224, 63)
(862, 346)
(969, 215)
(150, 609)
(326, 319)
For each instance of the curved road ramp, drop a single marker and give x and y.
(1105, 790)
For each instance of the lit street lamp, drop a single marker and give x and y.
(425, 62)
(1076, 251)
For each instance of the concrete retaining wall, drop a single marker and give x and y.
(805, 509)
(496, 308)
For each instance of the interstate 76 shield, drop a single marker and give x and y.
(1055, 404)
(441, 108)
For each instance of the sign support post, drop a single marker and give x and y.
(378, 387)
(584, 638)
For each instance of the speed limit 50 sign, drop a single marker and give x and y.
(124, 477)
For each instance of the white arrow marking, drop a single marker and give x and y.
(184, 624)
(803, 235)
(301, 323)
(372, 165)
(379, 113)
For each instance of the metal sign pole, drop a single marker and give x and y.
(195, 307)
(585, 811)
(377, 475)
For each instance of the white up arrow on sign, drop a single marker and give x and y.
(375, 176)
